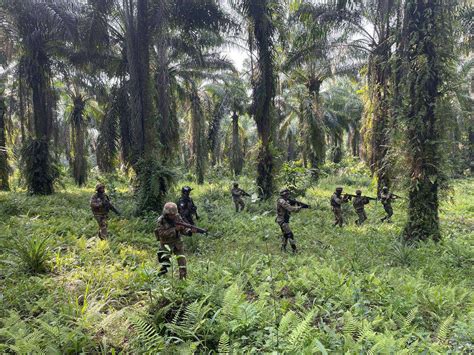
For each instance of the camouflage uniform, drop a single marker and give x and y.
(168, 234)
(359, 203)
(237, 194)
(336, 203)
(100, 206)
(186, 207)
(284, 208)
(386, 198)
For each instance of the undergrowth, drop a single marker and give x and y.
(355, 289)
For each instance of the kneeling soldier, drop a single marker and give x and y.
(359, 203)
(168, 234)
(284, 208)
(100, 206)
(336, 203)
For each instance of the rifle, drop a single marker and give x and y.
(246, 194)
(368, 197)
(194, 229)
(298, 203)
(396, 196)
(110, 207)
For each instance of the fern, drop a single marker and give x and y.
(302, 332)
(288, 321)
(224, 344)
(410, 318)
(147, 335)
(443, 329)
(350, 325)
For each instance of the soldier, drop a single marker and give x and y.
(359, 203)
(386, 198)
(237, 194)
(284, 208)
(168, 234)
(186, 207)
(336, 203)
(100, 206)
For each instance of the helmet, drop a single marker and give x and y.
(338, 189)
(99, 186)
(236, 184)
(284, 192)
(385, 188)
(358, 192)
(170, 208)
(186, 189)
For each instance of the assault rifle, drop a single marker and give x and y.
(245, 193)
(194, 229)
(298, 203)
(396, 196)
(370, 198)
(110, 207)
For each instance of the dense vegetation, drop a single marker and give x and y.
(355, 289)
(148, 95)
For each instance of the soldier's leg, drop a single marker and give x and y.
(291, 239)
(179, 251)
(364, 216)
(242, 204)
(389, 213)
(336, 220)
(164, 258)
(339, 219)
(236, 203)
(285, 229)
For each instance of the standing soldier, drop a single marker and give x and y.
(237, 194)
(386, 198)
(336, 203)
(186, 207)
(168, 234)
(359, 203)
(100, 206)
(284, 208)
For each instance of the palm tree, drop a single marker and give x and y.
(426, 50)
(42, 28)
(4, 168)
(260, 16)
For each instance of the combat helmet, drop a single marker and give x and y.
(186, 189)
(339, 189)
(358, 192)
(99, 186)
(236, 184)
(284, 192)
(170, 208)
(385, 189)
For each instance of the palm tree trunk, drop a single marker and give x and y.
(237, 159)
(197, 135)
(426, 63)
(78, 132)
(4, 169)
(263, 93)
(316, 125)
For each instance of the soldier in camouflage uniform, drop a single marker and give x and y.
(337, 200)
(359, 203)
(237, 194)
(100, 206)
(186, 207)
(169, 236)
(284, 208)
(386, 198)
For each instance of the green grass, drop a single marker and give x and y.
(348, 290)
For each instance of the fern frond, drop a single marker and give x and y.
(410, 318)
(350, 325)
(288, 321)
(302, 332)
(224, 344)
(147, 335)
(444, 328)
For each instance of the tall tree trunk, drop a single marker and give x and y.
(4, 168)
(291, 151)
(78, 138)
(378, 79)
(428, 44)
(40, 174)
(263, 93)
(237, 158)
(316, 125)
(197, 135)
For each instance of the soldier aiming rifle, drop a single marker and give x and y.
(237, 194)
(101, 206)
(386, 197)
(359, 202)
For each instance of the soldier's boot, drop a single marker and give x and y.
(293, 247)
(164, 260)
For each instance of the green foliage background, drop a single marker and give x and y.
(356, 290)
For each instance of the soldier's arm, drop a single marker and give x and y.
(287, 206)
(182, 229)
